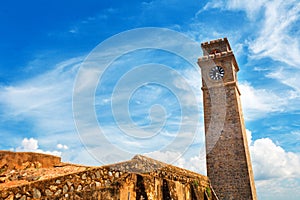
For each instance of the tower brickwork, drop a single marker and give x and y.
(227, 153)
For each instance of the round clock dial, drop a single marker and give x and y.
(216, 73)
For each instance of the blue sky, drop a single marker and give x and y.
(44, 46)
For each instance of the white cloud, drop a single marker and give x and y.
(278, 189)
(62, 146)
(272, 161)
(31, 145)
(276, 170)
(259, 102)
(196, 163)
(249, 137)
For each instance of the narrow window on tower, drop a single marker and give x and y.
(215, 51)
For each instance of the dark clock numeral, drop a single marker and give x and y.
(216, 73)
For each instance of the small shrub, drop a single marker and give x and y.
(196, 184)
(208, 191)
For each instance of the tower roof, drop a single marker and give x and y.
(216, 46)
(217, 49)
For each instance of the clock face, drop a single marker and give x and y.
(216, 73)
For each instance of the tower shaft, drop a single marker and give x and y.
(227, 153)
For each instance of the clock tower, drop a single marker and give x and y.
(227, 152)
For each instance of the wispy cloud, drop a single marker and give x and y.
(276, 22)
(251, 7)
(275, 39)
(259, 103)
(42, 97)
(44, 103)
(287, 77)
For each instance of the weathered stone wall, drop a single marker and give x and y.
(109, 182)
(22, 160)
(82, 185)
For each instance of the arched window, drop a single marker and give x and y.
(215, 51)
